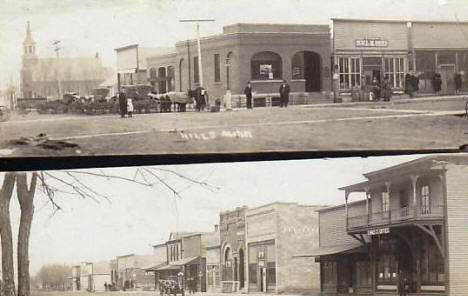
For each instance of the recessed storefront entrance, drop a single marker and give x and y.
(306, 65)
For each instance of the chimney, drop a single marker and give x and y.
(216, 227)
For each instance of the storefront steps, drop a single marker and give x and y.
(392, 101)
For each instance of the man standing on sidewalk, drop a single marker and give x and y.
(248, 95)
(284, 94)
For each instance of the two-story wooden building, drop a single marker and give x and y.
(411, 223)
(187, 256)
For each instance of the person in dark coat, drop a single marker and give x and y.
(284, 91)
(376, 89)
(437, 82)
(123, 104)
(200, 99)
(402, 284)
(458, 82)
(386, 89)
(411, 83)
(248, 95)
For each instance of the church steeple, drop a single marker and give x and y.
(29, 45)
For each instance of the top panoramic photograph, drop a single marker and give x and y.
(165, 77)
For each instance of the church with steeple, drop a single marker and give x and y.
(45, 77)
(29, 61)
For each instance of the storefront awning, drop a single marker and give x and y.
(332, 250)
(168, 267)
(184, 261)
(155, 267)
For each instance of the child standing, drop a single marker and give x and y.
(129, 107)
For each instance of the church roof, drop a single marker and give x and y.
(28, 39)
(70, 69)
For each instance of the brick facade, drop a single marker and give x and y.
(275, 233)
(236, 46)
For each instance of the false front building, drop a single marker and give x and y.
(274, 234)
(411, 224)
(364, 50)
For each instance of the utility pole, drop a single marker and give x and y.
(57, 49)
(200, 70)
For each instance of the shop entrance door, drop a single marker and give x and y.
(447, 73)
(312, 71)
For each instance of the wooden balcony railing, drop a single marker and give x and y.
(394, 216)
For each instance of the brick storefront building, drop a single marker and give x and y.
(368, 49)
(233, 248)
(263, 54)
(411, 224)
(274, 234)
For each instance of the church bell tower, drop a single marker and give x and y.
(29, 60)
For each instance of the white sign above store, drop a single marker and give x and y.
(371, 42)
(378, 231)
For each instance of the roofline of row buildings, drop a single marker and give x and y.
(400, 21)
(340, 206)
(126, 47)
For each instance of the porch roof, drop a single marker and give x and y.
(184, 261)
(335, 249)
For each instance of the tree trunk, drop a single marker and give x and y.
(8, 274)
(25, 198)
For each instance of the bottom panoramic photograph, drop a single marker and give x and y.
(387, 225)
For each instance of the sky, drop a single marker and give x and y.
(87, 27)
(137, 217)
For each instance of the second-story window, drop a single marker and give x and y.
(425, 201)
(385, 202)
(177, 252)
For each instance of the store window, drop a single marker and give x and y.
(432, 264)
(364, 273)
(425, 64)
(297, 69)
(252, 266)
(350, 72)
(387, 269)
(217, 68)
(394, 69)
(425, 200)
(271, 265)
(266, 65)
(329, 272)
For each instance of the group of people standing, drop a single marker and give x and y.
(411, 83)
(125, 105)
(284, 91)
(382, 90)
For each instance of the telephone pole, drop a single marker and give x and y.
(57, 49)
(200, 69)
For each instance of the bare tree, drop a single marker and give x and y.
(53, 184)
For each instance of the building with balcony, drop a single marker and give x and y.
(410, 224)
(274, 233)
(233, 248)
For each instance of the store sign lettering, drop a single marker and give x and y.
(378, 231)
(304, 229)
(371, 42)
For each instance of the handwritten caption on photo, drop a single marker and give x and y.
(211, 135)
